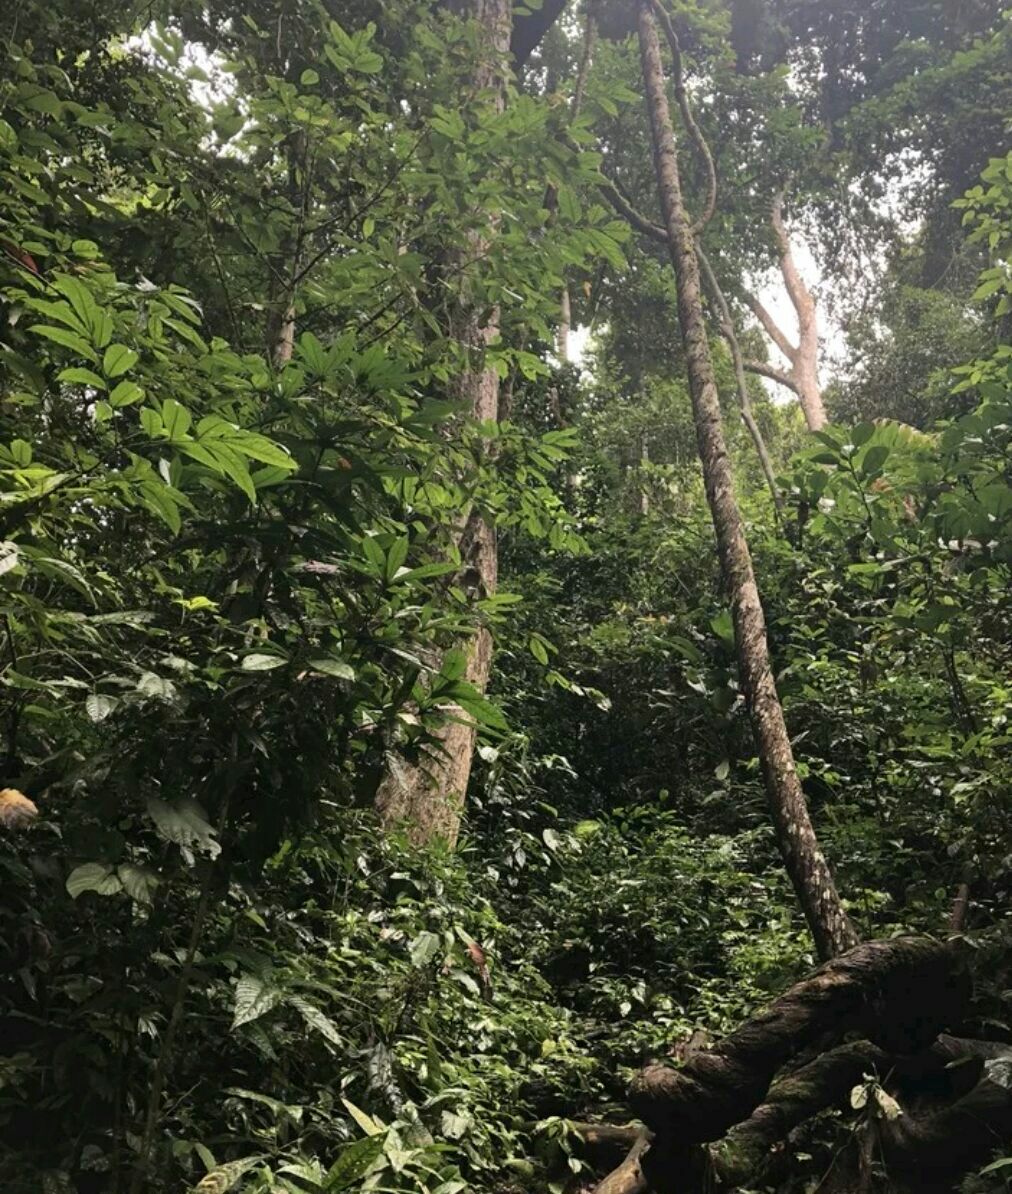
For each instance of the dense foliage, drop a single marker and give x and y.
(235, 245)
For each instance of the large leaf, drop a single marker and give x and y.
(185, 824)
(93, 876)
(254, 997)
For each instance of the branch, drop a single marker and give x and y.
(636, 218)
(741, 1156)
(530, 29)
(744, 400)
(583, 73)
(772, 372)
(771, 326)
(799, 294)
(628, 1178)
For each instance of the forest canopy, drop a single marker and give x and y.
(505, 548)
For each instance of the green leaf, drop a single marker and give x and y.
(309, 78)
(65, 337)
(317, 1020)
(81, 377)
(353, 1162)
(176, 418)
(723, 627)
(262, 663)
(371, 1127)
(333, 667)
(125, 393)
(253, 998)
(537, 649)
(93, 876)
(118, 359)
(423, 949)
(1002, 1163)
(184, 824)
(138, 882)
(98, 706)
(873, 459)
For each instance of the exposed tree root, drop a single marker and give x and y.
(898, 994)
(715, 1123)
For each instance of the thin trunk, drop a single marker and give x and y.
(808, 870)
(565, 325)
(806, 360)
(802, 376)
(427, 798)
(579, 91)
(644, 463)
(723, 312)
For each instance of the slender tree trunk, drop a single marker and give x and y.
(565, 326)
(427, 798)
(808, 870)
(802, 375)
(723, 313)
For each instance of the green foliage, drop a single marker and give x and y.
(234, 465)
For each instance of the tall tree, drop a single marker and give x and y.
(426, 797)
(808, 869)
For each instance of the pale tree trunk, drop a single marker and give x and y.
(802, 374)
(426, 799)
(808, 870)
(565, 304)
(565, 326)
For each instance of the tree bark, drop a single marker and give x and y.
(427, 798)
(813, 882)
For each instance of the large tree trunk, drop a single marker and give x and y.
(808, 870)
(427, 798)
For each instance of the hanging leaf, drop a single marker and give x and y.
(185, 824)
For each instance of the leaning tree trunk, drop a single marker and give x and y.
(808, 870)
(427, 798)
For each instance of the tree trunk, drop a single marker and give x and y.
(427, 799)
(808, 870)
(802, 376)
(565, 326)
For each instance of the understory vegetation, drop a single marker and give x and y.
(385, 774)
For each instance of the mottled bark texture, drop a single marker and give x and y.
(808, 870)
(426, 798)
(802, 375)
